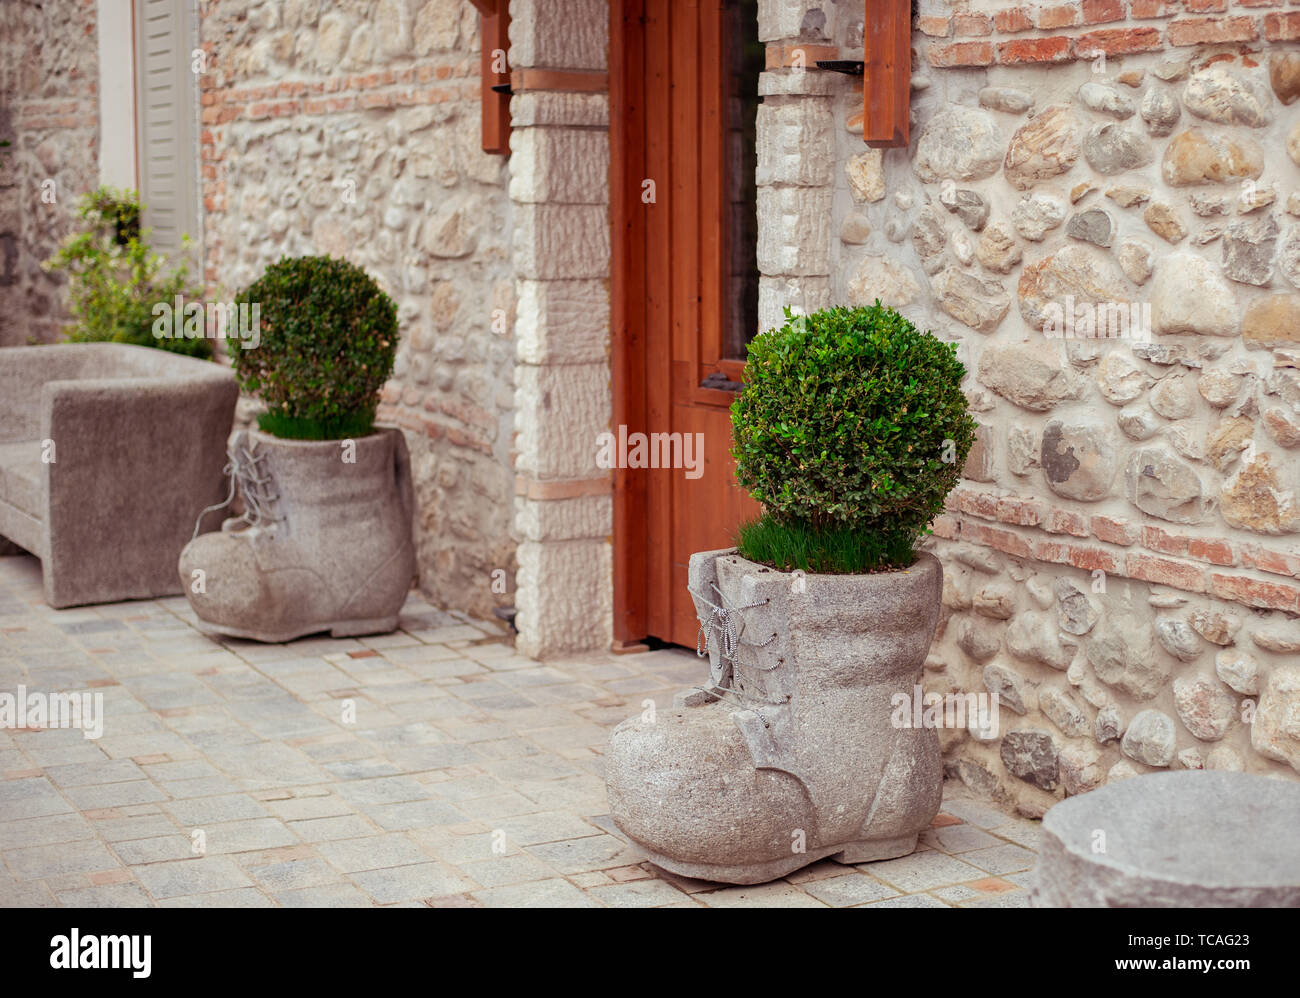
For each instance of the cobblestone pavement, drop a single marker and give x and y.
(469, 776)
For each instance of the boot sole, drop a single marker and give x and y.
(849, 853)
(336, 629)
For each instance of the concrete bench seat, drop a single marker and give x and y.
(1187, 839)
(107, 453)
(20, 476)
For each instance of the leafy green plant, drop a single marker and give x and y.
(115, 280)
(327, 344)
(851, 430)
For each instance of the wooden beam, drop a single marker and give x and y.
(494, 70)
(887, 73)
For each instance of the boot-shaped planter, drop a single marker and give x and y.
(324, 543)
(787, 754)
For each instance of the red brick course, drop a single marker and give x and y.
(1157, 555)
(1065, 32)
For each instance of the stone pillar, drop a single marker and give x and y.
(559, 191)
(795, 189)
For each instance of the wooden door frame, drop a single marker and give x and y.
(627, 313)
(648, 377)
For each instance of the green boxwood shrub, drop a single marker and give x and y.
(328, 336)
(115, 280)
(851, 430)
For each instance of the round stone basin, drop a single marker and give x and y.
(1188, 839)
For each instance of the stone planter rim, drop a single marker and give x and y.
(379, 431)
(925, 561)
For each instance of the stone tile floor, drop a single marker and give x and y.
(433, 766)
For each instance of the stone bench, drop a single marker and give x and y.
(1186, 839)
(107, 454)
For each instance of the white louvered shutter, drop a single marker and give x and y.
(167, 109)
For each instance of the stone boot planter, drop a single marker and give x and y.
(325, 545)
(788, 754)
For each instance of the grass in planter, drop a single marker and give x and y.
(833, 551)
(347, 426)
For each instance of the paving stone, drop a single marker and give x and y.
(975, 812)
(415, 814)
(349, 826)
(1011, 899)
(953, 895)
(299, 808)
(383, 791)
(115, 794)
(247, 835)
(850, 889)
(375, 852)
(31, 798)
(243, 897)
(554, 893)
(410, 883)
(137, 852)
(125, 829)
(200, 875)
(210, 786)
(295, 874)
(963, 838)
(598, 852)
(922, 871)
(909, 901)
(212, 810)
(774, 895)
(326, 896)
(1022, 833)
(106, 896)
(502, 871)
(638, 894)
(44, 830)
(1001, 859)
(44, 861)
(546, 826)
(89, 774)
(16, 894)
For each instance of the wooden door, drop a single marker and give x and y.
(683, 92)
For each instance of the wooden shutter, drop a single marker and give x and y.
(167, 110)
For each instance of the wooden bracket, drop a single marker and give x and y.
(887, 73)
(494, 24)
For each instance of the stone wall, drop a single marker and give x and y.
(352, 128)
(1122, 568)
(49, 113)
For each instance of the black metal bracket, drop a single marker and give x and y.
(848, 67)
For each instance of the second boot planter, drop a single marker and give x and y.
(787, 755)
(324, 543)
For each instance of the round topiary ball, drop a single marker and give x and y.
(325, 343)
(851, 430)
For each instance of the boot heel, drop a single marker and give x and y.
(871, 850)
(360, 628)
